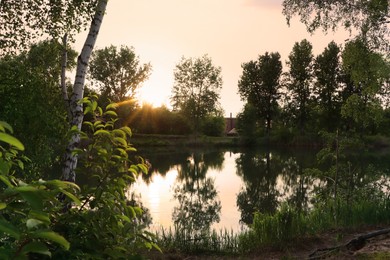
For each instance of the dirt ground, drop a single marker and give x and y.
(374, 248)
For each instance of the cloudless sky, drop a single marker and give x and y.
(231, 32)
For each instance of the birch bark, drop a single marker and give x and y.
(76, 109)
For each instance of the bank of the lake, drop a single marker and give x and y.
(236, 183)
(156, 140)
(316, 142)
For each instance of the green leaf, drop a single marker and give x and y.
(2, 205)
(6, 181)
(87, 110)
(12, 141)
(85, 100)
(36, 247)
(100, 111)
(5, 125)
(33, 223)
(119, 133)
(88, 124)
(9, 229)
(77, 151)
(138, 211)
(97, 123)
(102, 132)
(127, 130)
(132, 213)
(122, 152)
(134, 170)
(72, 197)
(94, 105)
(4, 167)
(111, 106)
(20, 164)
(52, 236)
(121, 141)
(143, 168)
(111, 113)
(32, 197)
(26, 188)
(39, 215)
(131, 149)
(124, 218)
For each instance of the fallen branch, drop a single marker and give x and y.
(352, 245)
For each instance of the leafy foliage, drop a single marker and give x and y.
(196, 89)
(259, 85)
(28, 210)
(22, 22)
(369, 18)
(118, 72)
(30, 99)
(106, 209)
(300, 76)
(327, 70)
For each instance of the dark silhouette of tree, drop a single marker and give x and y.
(118, 72)
(327, 69)
(198, 205)
(195, 92)
(299, 77)
(369, 18)
(259, 176)
(259, 85)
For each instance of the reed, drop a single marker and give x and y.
(289, 224)
(278, 230)
(206, 242)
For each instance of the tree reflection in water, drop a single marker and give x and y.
(198, 204)
(271, 178)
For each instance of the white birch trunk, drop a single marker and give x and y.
(76, 109)
(64, 64)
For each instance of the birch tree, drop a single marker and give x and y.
(370, 19)
(25, 21)
(75, 107)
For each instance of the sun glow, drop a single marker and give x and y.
(156, 91)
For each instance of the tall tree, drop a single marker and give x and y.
(368, 17)
(327, 74)
(75, 106)
(365, 72)
(196, 88)
(300, 77)
(25, 80)
(23, 22)
(118, 72)
(259, 85)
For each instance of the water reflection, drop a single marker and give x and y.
(196, 189)
(259, 173)
(271, 178)
(197, 198)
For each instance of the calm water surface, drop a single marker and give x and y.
(222, 188)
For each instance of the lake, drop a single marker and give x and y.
(222, 189)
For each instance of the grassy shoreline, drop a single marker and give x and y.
(153, 140)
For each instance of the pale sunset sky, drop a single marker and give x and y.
(231, 32)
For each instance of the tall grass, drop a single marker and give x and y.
(289, 224)
(277, 230)
(206, 242)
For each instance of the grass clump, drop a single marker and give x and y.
(222, 242)
(289, 224)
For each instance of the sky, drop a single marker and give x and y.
(230, 32)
